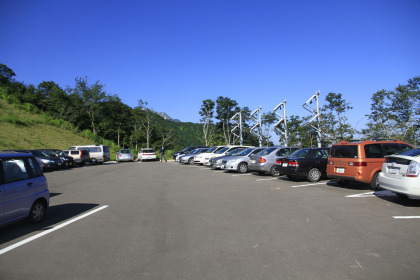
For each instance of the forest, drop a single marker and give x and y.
(88, 109)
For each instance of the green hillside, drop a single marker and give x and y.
(21, 129)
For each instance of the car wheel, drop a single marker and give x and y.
(314, 175)
(242, 168)
(374, 183)
(37, 212)
(93, 161)
(191, 161)
(274, 171)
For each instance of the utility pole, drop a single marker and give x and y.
(257, 126)
(317, 115)
(238, 125)
(283, 120)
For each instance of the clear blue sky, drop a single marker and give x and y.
(176, 53)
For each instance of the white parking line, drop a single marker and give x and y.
(298, 186)
(27, 240)
(270, 179)
(372, 194)
(235, 175)
(406, 217)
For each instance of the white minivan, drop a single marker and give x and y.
(98, 153)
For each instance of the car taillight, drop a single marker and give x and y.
(293, 163)
(80, 153)
(279, 161)
(154, 154)
(262, 160)
(356, 163)
(120, 155)
(413, 169)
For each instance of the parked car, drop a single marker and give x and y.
(47, 162)
(216, 162)
(80, 157)
(265, 161)
(401, 174)
(361, 161)
(147, 154)
(98, 153)
(124, 155)
(187, 150)
(309, 163)
(23, 189)
(189, 158)
(68, 161)
(240, 161)
(201, 158)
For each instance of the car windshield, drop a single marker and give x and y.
(221, 151)
(125, 152)
(212, 149)
(49, 153)
(193, 152)
(60, 153)
(266, 151)
(302, 153)
(245, 152)
(411, 153)
(235, 151)
(39, 154)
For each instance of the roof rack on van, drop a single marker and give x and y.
(383, 139)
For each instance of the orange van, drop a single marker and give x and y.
(361, 161)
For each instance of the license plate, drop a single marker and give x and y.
(285, 164)
(393, 171)
(339, 170)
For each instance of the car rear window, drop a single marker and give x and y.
(412, 153)
(125, 151)
(95, 149)
(148, 151)
(266, 151)
(283, 152)
(344, 151)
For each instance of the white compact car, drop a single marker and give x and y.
(146, 154)
(203, 157)
(401, 174)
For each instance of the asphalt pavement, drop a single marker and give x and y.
(163, 220)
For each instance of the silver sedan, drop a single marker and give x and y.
(240, 162)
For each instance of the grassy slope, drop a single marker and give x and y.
(24, 130)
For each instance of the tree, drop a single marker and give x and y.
(226, 108)
(6, 74)
(268, 119)
(92, 96)
(396, 114)
(206, 112)
(334, 122)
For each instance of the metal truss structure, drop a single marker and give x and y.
(237, 120)
(257, 126)
(281, 123)
(316, 117)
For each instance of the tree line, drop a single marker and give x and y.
(88, 107)
(394, 114)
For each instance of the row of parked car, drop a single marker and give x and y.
(23, 187)
(53, 159)
(387, 164)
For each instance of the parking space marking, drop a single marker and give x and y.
(235, 175)
(270, 179)
(298, 186)
(406, 217)
(27, 240)
(373, 194)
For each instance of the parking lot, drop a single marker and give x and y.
(154, 220)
